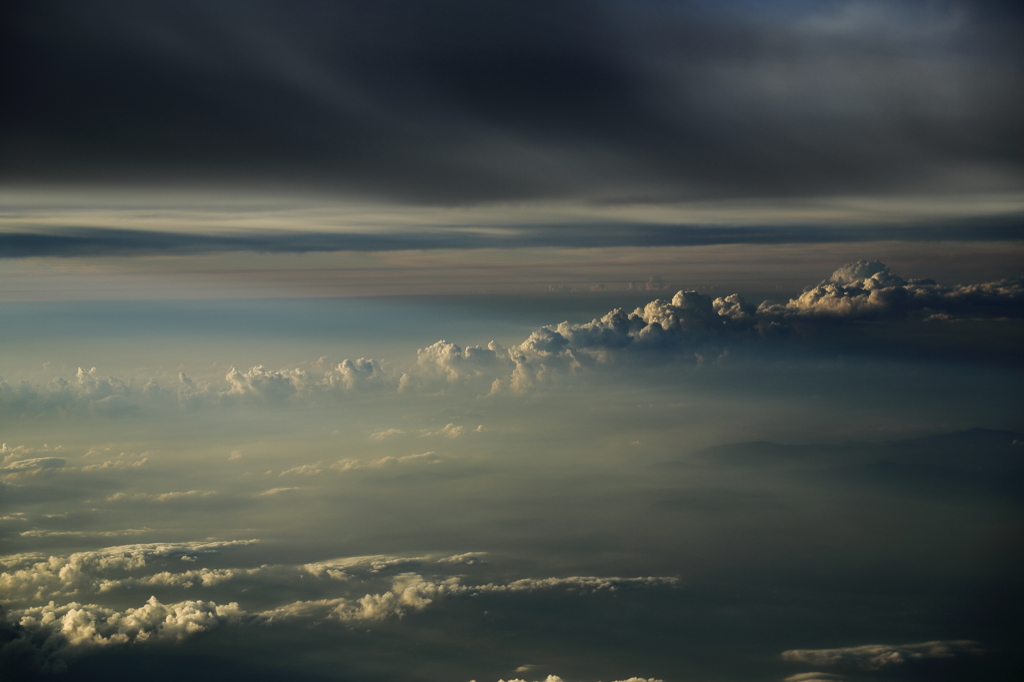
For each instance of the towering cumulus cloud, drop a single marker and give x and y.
(690, 321)
(868, 290)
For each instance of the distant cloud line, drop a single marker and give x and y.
(69, 242)
(689, 323)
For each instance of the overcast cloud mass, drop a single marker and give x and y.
(532, 342)
(457, 101)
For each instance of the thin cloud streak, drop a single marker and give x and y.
(78, 242)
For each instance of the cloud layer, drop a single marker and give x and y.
(55, 612)
(39, 578)
(623, 101)
(688, 324)
(60, 241)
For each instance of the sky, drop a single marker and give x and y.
(541, 342)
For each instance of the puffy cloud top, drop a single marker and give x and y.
(851, 273)
(868, 290)
(33, 579)
(81, 625)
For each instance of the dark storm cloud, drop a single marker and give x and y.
(449, 102)
(71, 242)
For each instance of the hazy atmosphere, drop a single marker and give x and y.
(540, 342)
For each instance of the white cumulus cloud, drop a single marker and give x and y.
(89, 624)
(869, 290)
(40, 579)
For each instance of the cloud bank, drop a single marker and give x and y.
(39, 578)
(868, 290)
(689, 324)
(51, 621)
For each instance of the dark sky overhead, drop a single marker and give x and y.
(455, 102)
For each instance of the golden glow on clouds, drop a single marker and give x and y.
(723, 268)
(225, 212)
(468, 271)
